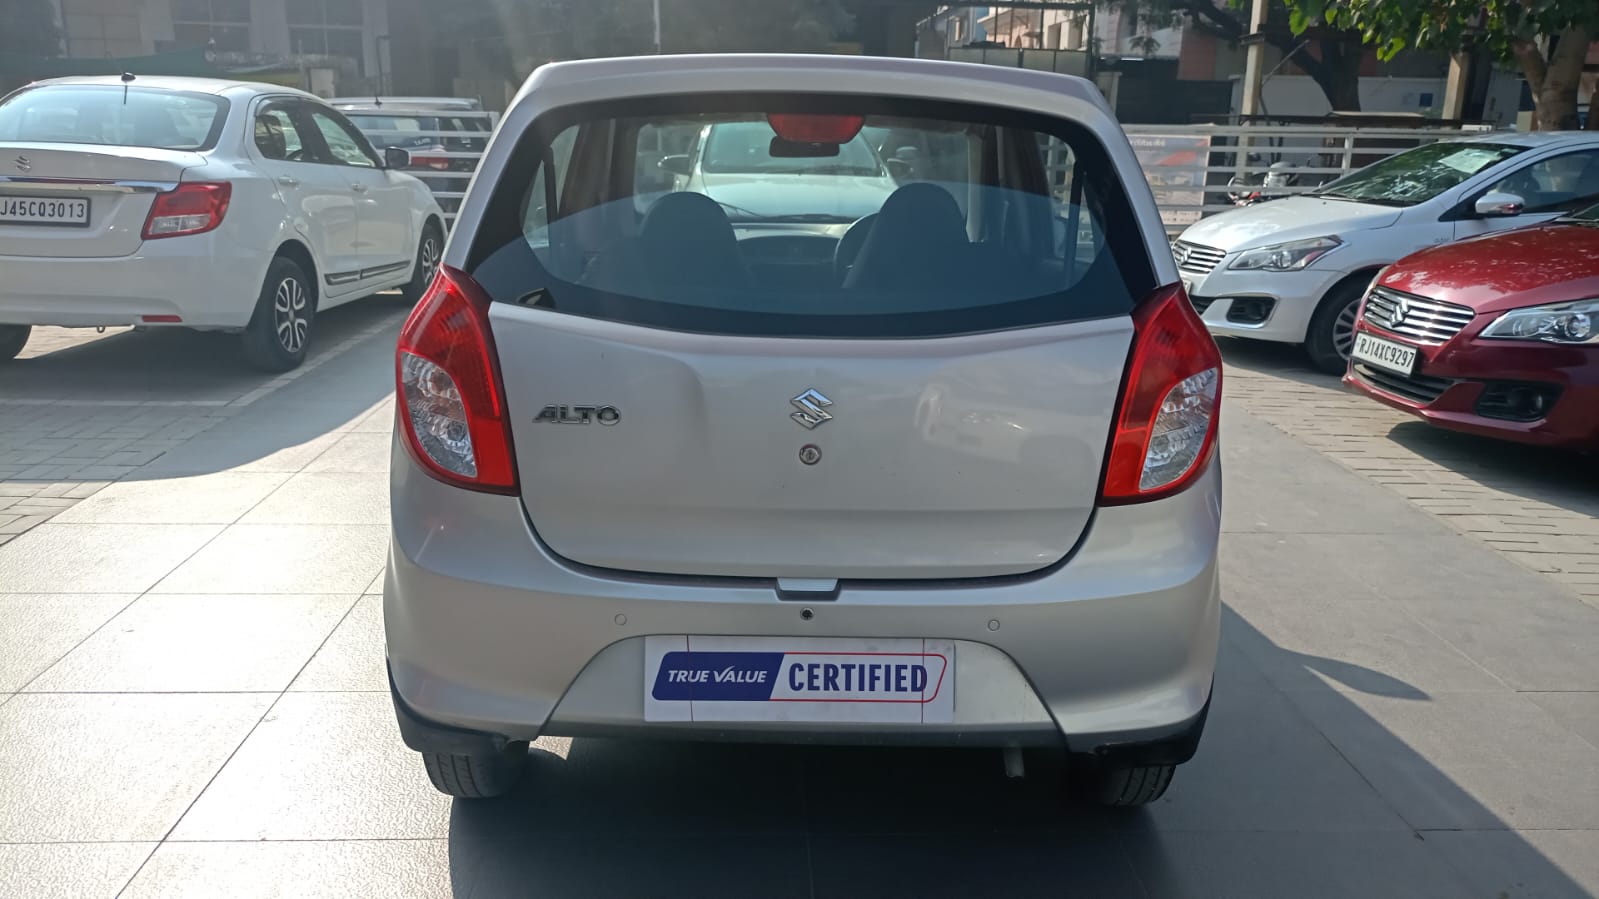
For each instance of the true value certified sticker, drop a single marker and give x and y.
(804, 680)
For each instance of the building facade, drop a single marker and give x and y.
(350, 40)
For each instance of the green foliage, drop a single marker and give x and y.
(1451, 25)
(28, 28)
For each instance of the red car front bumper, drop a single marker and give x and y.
(1529, 392)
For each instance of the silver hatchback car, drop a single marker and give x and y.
(741, 463)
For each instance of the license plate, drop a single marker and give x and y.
(1385, 354)
(820, 680)
(15, 210)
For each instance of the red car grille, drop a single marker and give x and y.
(1419, 388)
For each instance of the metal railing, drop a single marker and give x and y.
(449, 183)
(1189, 167)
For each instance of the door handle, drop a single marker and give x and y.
(286, 181)
(359, 188)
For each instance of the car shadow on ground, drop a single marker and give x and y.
(186, 394)
(1562, 478)
(1270, 807)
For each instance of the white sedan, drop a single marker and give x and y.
(1294, 270)
(186, 202)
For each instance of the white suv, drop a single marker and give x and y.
(186, 202)
(749, 461)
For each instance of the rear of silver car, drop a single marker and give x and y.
(667, 464)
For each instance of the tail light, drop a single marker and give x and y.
(451, 399)
(191, 208)
(1166, 425)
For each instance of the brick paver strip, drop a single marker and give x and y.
(1539, 525)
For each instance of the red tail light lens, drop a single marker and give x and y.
(1171, 399)
(192, 208)
(451, 399)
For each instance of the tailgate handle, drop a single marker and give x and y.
(811, 588)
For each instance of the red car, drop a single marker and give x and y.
(1497, 335)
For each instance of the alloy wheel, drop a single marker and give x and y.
(1343, 332)
(428, 258)
(290, 314)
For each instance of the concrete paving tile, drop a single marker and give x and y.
(361, 451)
(352, 659)
(112, 768)
(283, 558)
(326, 498)
(179, 643)
(1578, 712)
(68, 870)
(1262, 766)
(236, 449)
(1535, 639)
(376, 587)
(303, 870)
(735, 865)
(1371, 646)
(1300, 865)
(1464, 760)
(974, 863)
(1277, 568)
(200, 499)
(98, 558)
(38, 629)
(1533, 864)
(378, 420)
(322, 766)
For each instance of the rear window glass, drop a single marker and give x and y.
(796, 216)
(113, 116)
(421, 131)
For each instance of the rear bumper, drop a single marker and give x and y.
(206, 281)
(1473, 366)
(489, 633)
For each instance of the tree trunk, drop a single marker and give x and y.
(1336, 71)
(1554, 81)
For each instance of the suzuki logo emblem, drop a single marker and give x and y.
(24, 164)
(1401, 309)
(812, 408)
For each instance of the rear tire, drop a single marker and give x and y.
(1122, 786)
(428, 253)
(477, 776)
(1332, 328)
(280, 329)
(12, 339)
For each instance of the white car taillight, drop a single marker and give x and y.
(191, 208)
(1166, 426)
(452, 404)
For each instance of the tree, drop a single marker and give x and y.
(1330, 56)
(1547, 39)
(28, 28)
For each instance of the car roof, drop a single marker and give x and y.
(629, 68)
(218, 86)
(1534, 139)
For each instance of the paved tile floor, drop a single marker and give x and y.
(192, 703)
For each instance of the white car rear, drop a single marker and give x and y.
(196, 203)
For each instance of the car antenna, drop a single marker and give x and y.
(127, 79)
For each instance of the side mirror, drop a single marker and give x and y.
(677, 165)
(1498, 205)
(908, 154)
(396, 158)
(900, 169)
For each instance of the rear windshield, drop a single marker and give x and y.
(421, 131)
(803, 216)
(1416, 176)
(113, 116)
